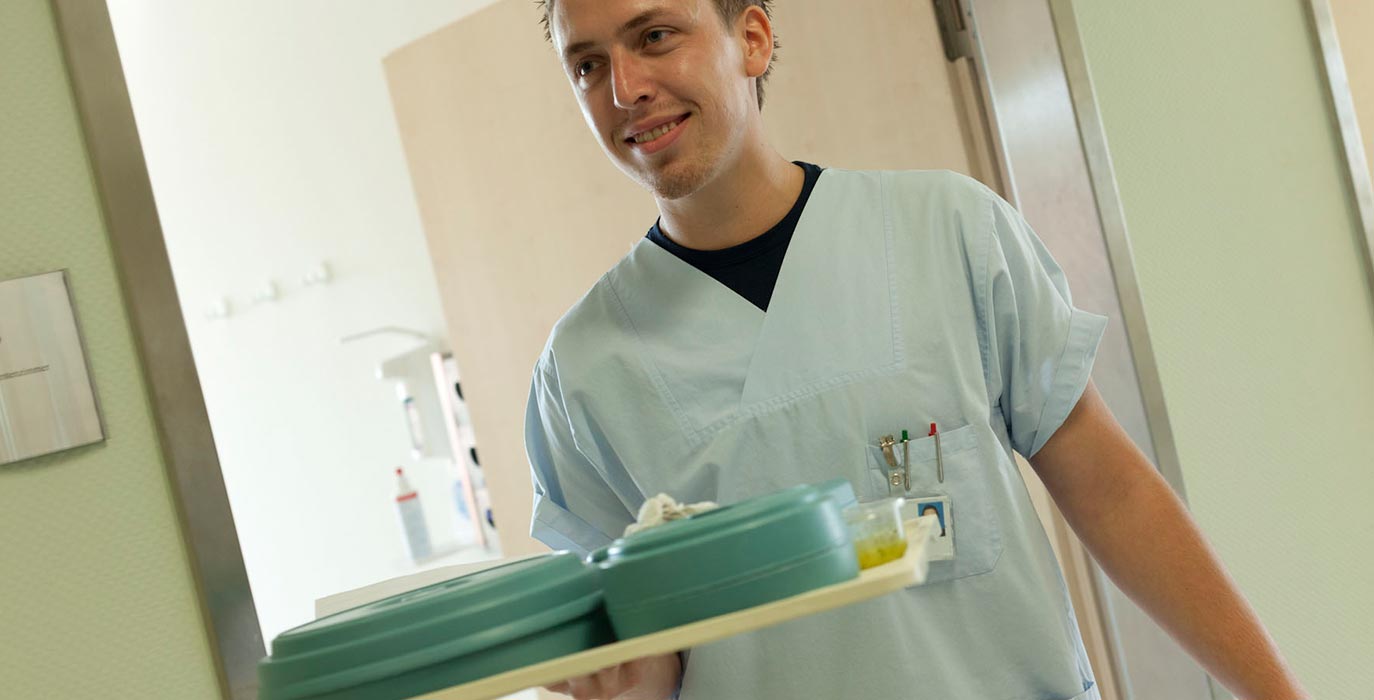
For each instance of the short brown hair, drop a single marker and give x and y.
(728, 11)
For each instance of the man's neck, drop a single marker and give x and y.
(736, 206)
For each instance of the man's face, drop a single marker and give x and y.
(662, 83)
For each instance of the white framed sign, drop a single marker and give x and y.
(47, 402)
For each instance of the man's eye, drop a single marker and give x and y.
(583, 68)
(655, 36)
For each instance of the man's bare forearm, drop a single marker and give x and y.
(1138, 530)
(1150, 546)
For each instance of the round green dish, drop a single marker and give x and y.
(442, 635)
(747, 554)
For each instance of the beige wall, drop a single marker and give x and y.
(1355, 29)
(96, 597)
(1247, 249)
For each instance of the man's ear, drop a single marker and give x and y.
(755, 31)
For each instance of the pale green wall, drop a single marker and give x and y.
(1246, 246)
(96, 598)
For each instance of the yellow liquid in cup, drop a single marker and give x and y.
(881, 549)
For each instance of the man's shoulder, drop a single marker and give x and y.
(922, 205)
(943, 186)
(592, 321)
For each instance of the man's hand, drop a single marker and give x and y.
(651, 678)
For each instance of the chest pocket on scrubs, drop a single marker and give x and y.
(968, 480)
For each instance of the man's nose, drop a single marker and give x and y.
(630, 80)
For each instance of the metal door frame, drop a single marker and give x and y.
(1343, 111)
(1033, 69)
(120, 173)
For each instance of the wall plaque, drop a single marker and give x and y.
(47, 402)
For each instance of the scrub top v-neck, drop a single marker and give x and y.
(751, 268)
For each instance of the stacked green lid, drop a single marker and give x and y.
(442, 635)
(750, 553)
(840, 491)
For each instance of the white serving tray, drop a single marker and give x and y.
(910, 570)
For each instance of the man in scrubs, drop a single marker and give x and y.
(776, 322)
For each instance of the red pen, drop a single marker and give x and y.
(939, 456)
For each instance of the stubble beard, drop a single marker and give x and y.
(677, 180)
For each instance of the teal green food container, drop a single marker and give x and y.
(840, 491)
(750, 553)
(442, 635)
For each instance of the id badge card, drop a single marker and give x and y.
(942, 544)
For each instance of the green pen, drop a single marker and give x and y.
(906, 460)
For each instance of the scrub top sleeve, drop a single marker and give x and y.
(1038, 349)
(574, 508)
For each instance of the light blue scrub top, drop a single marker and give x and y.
(905, 298)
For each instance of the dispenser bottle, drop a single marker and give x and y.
(412, 516)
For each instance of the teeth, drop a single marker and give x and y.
(655, 134)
